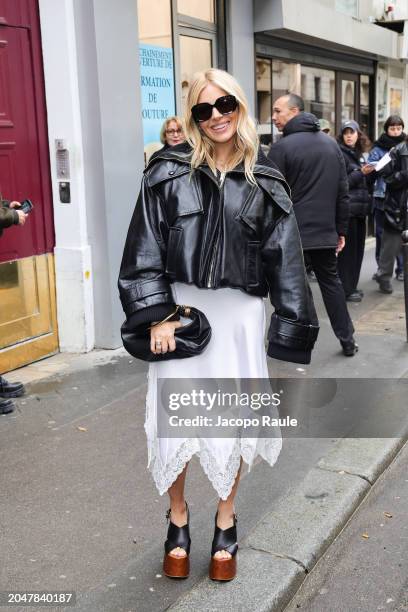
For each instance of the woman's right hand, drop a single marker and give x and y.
(367, 169)
(162, 337)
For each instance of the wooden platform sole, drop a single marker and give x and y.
(223, 569)
(176, 567)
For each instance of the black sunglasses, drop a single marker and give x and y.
(224, 105)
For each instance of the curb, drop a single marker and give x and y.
(287, 542)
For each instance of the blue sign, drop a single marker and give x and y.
(157, 85)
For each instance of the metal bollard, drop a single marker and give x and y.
(404, 237)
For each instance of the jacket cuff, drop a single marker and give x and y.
(150, 314)
(16, 219)
(138, 295)
(277, 351)
(291, 334)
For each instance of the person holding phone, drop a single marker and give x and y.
(9, 215)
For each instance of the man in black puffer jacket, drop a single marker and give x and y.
(314, 167)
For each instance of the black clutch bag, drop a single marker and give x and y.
(191, 339)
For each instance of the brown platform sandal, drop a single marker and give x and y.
(224, 539)
(177, 567)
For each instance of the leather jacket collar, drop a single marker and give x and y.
(182, 154)
(179, 160)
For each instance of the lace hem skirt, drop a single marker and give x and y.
(236, 350)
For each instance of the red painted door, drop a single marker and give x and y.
(24, 161)
(28, 327)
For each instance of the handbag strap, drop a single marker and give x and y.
(185, 311)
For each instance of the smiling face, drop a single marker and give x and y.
(350, 137)
(219, 128)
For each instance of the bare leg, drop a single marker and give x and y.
(225, 513)
(178, 507)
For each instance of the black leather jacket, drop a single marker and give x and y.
(188, 228)
(396, 177)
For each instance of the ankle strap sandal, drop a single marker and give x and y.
(224, 539)
(177, 567)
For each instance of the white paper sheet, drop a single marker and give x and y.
(383, 162)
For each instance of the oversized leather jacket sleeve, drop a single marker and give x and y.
(294, 325)
(144, 290)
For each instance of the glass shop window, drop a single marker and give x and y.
(382, 97)
(195, 56)
(318, 88)
(156, 69)
(286, 77)
(200, 9)
(365, 104)
(264, 99)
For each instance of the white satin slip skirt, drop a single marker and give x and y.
(236, 350)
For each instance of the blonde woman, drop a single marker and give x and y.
(214, 228)
(171, 134)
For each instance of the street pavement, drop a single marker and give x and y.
(80, 511)
(366, 567)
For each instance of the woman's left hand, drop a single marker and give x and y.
(162, 337)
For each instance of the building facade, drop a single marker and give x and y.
(96, 79)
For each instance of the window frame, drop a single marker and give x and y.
(184, 25)
(339, 74)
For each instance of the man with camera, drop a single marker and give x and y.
(9, 215)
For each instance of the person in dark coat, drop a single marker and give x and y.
(353, 143)
(314, 167)
(395, 174)
(9, 217)
(171, 134)
(393, 134)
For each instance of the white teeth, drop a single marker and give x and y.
(219, 127)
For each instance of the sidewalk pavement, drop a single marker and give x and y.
(71, 447)
(366, 568)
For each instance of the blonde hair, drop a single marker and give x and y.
(246, 138)
(166, 124)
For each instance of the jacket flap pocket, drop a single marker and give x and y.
(160, 172)
(276, 192)
(248, 213)
(189, 200)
